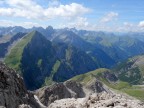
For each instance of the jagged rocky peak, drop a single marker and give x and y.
(49, 31)
(49, 28)
(13, 93)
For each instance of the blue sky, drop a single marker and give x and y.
(105, 15)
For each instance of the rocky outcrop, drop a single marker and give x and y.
(101, 100)
(49, 94)
(94, 94)
(68, 89)
(110, 76)
(75, 88)
(96, 86)
(12, 90)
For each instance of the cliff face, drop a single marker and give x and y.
(13, 93)
(49, 94)
(68, 89)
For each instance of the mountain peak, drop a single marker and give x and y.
(35, 34)
(49, 28)
(17, 51)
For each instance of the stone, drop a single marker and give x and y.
(100, 103)
(12, 90)
(24, 106)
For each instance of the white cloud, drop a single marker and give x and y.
(127, 24)
(72, 10)
(79, 23)
(83, 23)
(109, 17)
(72, 14)
(6, 23)
(141, 24)
(31, 10)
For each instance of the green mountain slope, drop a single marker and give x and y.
(108, 78)
(33, 57)
(70, 38)
(42, 63)
(85, 78)
(13, 59)
(118, 48)
(37, 60)
(73, 62)
(132, 70)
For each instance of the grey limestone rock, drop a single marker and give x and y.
(12, 90)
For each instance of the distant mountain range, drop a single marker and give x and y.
(45, 56)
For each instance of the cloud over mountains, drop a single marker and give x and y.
(31, 10)
(95, 15)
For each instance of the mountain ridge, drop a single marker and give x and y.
(40, 62)
(67, 51)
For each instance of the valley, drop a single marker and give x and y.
(49, 55)
(76, 64)
(71, 54)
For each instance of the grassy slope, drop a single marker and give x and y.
(141, 66)
(85, 78)
(132, 70)
(13, 59)
(135, 91)
(49, 80)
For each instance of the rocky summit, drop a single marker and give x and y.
(101, 100)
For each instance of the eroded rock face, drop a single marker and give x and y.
(68, 89)
(49, 94)
(110, 76)
(75, 88)
(12, 90)
(96, 86)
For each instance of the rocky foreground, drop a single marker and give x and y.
(13, 94)
(101, 100)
